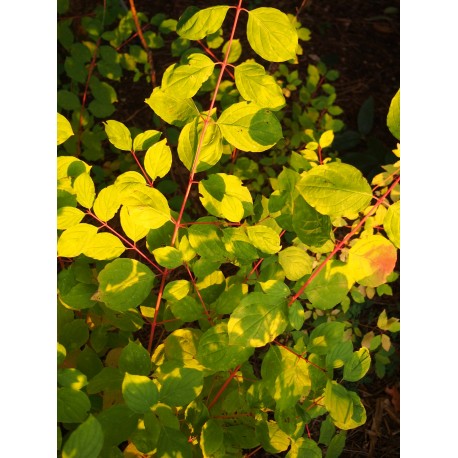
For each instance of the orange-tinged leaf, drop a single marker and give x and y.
(371, 260)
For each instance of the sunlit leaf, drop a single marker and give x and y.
(107, 203)
(357, 367)
(257, 320)
(196, 24)
(271, 34)
(118, 135)
(255, 85)
(139, 392)
(125, 283)
(158, 160)
(64, 129)
(74, 240)
(392, 225)
(184, 79)
(86, 440)
(172, 108)
(264, 238)
(85, 190)
(210, 148)
(104, 246)
(371, 260)
(249, 127)
(335, 189)
(393, 120)
(68, 217)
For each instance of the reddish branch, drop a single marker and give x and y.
(344, 241)
(194, 168)
(126, 241)
(224, 386)
(149, 51)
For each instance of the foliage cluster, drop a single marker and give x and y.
(221, 317)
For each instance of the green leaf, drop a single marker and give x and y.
(139, 392)
(173, 443)
(86, 440)
(296, 315)
(295, 262)
(206, 240)
(118, 423)
(371, 260)
(249, 127)
(345, 407)
(366, 116)
(393, 120)
(325, 336)
(327, 431)
(312, 227)
(64, 129)
(186, 78)
(271, 34)
(61, 353)
(181, 345)
(356, 368)
(225, 196)
(304, 448)
(135, 359)
(264, 238)
(272, 438)
(71, 378)
(196, 24)
(74, 240)
(72, 405)
(85, 190)
(74, 334)
(256, 86)
(147, 205)
(79, 297)
(211, 438)
(129, 225)
(215, 352)
(392, 225)
(146, 139)
(125, 284)
(68, 217)
(118, 135)
(257, 320)
(238, 244)
(172, 108)
(330, 286)
(107, 203)
(168, 257)
(158, 160)
(211, 147)
(107, 379)
(335, 189)
(336, 445)
(179, 385)
(285, 376)
(104, 246)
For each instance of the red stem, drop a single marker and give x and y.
(193, 281)
(223, 388)
(150, 183)
(156, 311)
(83, 101)
(206, 123)
(126, 241)
(344, 241)
(299, 356)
